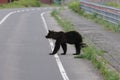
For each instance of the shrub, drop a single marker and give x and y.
(75, 6)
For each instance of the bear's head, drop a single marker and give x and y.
(51, 34)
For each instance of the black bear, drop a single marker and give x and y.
(71, 37)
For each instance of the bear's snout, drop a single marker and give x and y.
(46, 36)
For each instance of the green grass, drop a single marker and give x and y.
(91, 52)
(67, 26)
(76, 7)
(95, 55)
(21, 3)
(101, 21)
(113, 4)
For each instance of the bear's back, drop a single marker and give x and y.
(73, 37)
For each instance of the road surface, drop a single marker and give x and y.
(24, 49)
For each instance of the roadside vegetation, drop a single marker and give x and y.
(75, 6)
(67, 26)
(113, 4)
(21, 3)
(91, 52)
(95, 56)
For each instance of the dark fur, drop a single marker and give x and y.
(71, 37)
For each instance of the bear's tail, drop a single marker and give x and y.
(83, 45)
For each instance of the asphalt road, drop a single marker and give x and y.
(23, 47)
(24, 51)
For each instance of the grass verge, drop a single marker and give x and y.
(21, 3)
(95, 56)
(67, 26)
(75, 6)
(91, 52)
(113, 4)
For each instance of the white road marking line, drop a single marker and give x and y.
(10, 13)
(59, 63)
(7, 16)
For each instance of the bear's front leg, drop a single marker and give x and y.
(56, 48)
(64, 47)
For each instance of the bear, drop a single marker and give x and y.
(62, 38)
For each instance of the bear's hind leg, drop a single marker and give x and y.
(64, 47)
(78, 49)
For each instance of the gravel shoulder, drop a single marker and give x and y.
(106, 40)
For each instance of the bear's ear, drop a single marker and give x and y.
(49, 31)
